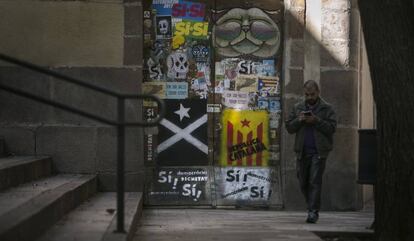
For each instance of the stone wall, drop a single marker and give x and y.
(100, 42)
(323, 43)
(95, 41)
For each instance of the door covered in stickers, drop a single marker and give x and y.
(217, 65)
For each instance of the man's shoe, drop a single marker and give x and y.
(313, 217)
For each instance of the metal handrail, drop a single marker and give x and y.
(120, 123)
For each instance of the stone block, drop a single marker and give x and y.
(340, 188)
(345, 97)
(133, 110)
(288, 153)
(297, 52)
(72, 148)
(288, 104)
(123, 80)
(133, 51)
(335, 53)
(84, 99)
(107, 149)
(293, 197)
(295, 83)
(335, 24)
(295, 23)
(63, 33)
(344, 156)
(18, 109)
(336, 4)
(133, 20)
(19, 140)
(120, 80)
(340, 192)
(134, 182)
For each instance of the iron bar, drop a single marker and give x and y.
(120, 167)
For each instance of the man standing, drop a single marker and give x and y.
(314, 122)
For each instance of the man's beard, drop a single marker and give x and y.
(311, 102)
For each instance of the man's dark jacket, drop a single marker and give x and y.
(323, 129)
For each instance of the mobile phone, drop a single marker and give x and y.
(307, 113)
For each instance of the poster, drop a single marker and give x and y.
(156, 88)
(246, 83)
(268, 86)
(244, 185)
(176, 90)
(236, 99)
(244, 138)
(182, 138)
(181, 185)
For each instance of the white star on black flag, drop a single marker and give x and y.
(183, 134)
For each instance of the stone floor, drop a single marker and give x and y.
(242, 225)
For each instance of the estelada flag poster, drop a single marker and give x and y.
(244, 138)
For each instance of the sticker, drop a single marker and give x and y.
(184, 185)
(147, 14)
(164, 27)
(149, 148)
(272, 104)
(163, 7)
(274, 148)
(244, 139)
(178, 65)
(176, 90)
(200, 53)
(213, 108)
(227, 72)
(246, 83)
(183, 134)
(267, 68)
(191, 29)
(245, 184)
(273, 134)
(246, 67)
(154, 69)
(200, 80)
(274, 123)
(275, 156)
(235, 99)
(178, 41)
(268, 86)
(189, 10)
(156, 88)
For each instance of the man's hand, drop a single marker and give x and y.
(308, 119)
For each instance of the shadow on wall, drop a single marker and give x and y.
(323, 43)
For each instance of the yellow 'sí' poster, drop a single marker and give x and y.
(244, 138)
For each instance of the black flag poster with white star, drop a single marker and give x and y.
(182, 138)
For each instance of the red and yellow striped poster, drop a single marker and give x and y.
(244, 138)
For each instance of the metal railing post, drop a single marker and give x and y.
(120, 166)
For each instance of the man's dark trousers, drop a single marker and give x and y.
(310, 170)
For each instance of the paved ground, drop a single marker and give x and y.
(241, 225)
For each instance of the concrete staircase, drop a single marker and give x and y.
(36, 204)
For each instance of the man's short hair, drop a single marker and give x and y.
(311, 84)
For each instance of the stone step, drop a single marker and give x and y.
(95, 220)
(26, 211)
(20, 169)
